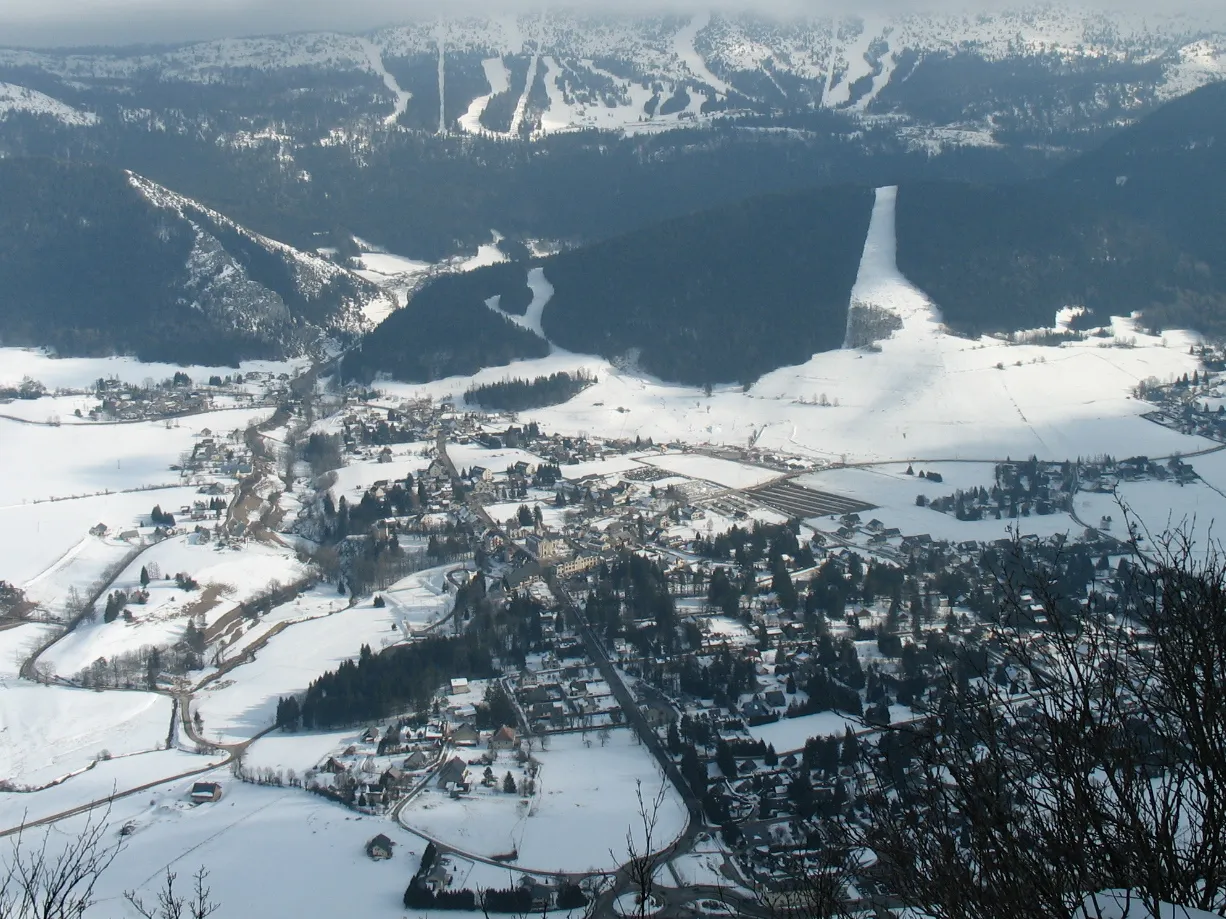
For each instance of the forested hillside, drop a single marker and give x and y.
(719, 297)
(446, 329)
(722, 296)
(1137, 225)
(94, 261)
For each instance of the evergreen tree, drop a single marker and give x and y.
(851, 748)
(771, 758)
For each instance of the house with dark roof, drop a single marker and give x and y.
(203, 792)
(379, 848)
(453, 773)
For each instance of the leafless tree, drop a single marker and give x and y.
(643, 860)
(38, 882)
(815, 886)
(172, 905)
(1098, 763)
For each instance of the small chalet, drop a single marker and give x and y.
(756, 708)
(203, 792)
(452, 773)
(466, 735)
(504, 738)
(459, 686)
(380, 848)
(416, 760)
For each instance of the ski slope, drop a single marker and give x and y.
(924, 394)
(683, 45)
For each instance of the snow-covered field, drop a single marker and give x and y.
(244, 702)
(1159, 508)
(893, 494)
(720, 471)
(42, 462)
(355, 478)
(789, 734)
(226, 578)
(47, 732)
(269, 851)
(33, 537)
(584, 806)
(465, 456)
(107, 778)
(84, 372)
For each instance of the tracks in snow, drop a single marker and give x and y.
(375, 58)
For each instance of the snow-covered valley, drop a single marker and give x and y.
(243, 583)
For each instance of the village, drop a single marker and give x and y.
(678, 597)
(527, 658)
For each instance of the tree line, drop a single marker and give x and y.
(518, 394)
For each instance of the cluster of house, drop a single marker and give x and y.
(381, 766)
(119, 401)
(566, 697)
(453, 776)
(220, 455)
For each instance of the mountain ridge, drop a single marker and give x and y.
(98, 261)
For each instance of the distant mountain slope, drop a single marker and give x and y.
(722, 296)
(98, 261)
(1034, 67)
(1137, 225)
(730, 294)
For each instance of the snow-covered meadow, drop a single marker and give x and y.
(259, 843)
(226, 578)
(48, 732)
(321, 631)
(578, 819)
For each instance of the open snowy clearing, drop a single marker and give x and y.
(299, 752)
(107, 778)
(71, 461)
(75, 575)
(33, 537)
(357, 476)
(1159, 508)
(47, 732)
(893, 494)
(712, 469)
(226, 578)
(258, 843)
(465, 456)
(583, 808)
(16, 645)
(790, 734)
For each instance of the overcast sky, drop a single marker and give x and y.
(75, 22)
